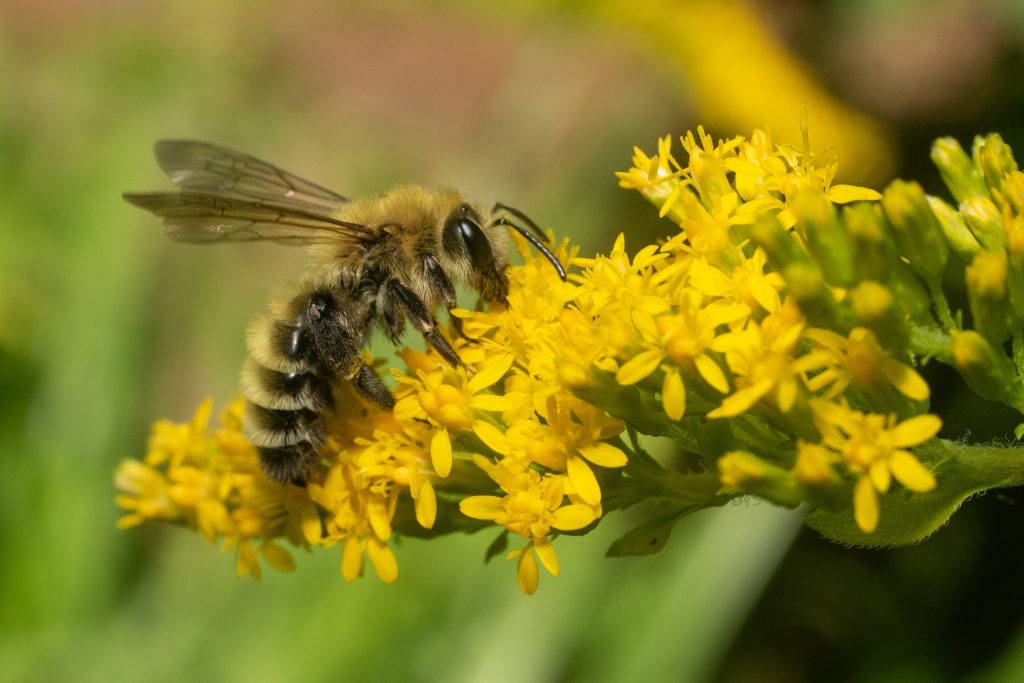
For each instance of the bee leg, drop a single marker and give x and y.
(424, 322)
(439, 280)
(372, 387)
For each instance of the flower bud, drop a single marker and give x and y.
(960, 239)
(825, 238)
(911, 295)
(876, 309)
(805, 284)
(871, 241)
(958, 171)
(780, 246)
(985, 221)
(1015, 267)
(917, 231)
(746, 472)
(994, 158)
(987, 295)
(985, 370)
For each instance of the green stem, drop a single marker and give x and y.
(941, 304)
(1018, 350)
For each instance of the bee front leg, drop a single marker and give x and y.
(424, 321)
(441, 284)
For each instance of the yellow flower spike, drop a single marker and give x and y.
(383, 560)
(673, 395)
(911, 473)
(426, 504)
(491, 436)
(527, 573)
(351, 559)
(545, 551)
(277, 557)
(441, 452)
(915, 431)
(865, 505)
(583, 480)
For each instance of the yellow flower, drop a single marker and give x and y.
(873, 448)
(533, 506)
(860, 360)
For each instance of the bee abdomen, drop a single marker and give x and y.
(283, 390)
(279, 346)
(268, 428)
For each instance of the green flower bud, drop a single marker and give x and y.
(960, 174)
(806, 285)
(985, 221)
(960, 239)
(987, 295)
(742, 471)
(989, 373)
(780, 246)
(871, 241)
(911, 295)
(917, 230)
(824, 236)
(994, 157)
(1015, 267)
(876, 309)
(1013, 192)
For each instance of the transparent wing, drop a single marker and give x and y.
(209, 168)
(206, 218)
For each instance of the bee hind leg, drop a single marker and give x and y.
(369, 384)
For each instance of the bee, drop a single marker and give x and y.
(376, 262)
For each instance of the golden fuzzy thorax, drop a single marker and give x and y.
(408, 221)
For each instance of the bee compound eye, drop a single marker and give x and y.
(316, 308)
(477, 244)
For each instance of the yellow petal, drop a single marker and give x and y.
(527, 575)
(491, 436)
(481, 507)
(742, 400)
(247, 561)
(865, 505)
(906, 380)
(880, 476)
(351, 559)
(639, 367)
(843, 194)
(786, 395)
(712, 373)
(491, 402)
(441, 452)
(494, 371)
(545, 550)
(278, 557)
(909, 471)
(383, 560)
(583, 480)
(572, 517)
(604, 454)
(380, 520)
(916, 430)
(673, 395)
(309, 520)
(426, 505)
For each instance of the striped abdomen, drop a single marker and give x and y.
(285, 397)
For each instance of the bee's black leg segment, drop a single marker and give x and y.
(372, 387)
(443, 285)
(424, 322)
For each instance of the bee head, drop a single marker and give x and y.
(479, 250)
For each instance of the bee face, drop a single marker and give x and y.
(480, 249)
(383, 261)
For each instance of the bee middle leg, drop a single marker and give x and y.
(423, 320)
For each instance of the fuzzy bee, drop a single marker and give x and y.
(379, 261)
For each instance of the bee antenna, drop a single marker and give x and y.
(524, 218)
(532, 239)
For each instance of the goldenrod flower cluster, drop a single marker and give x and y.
(774, 335)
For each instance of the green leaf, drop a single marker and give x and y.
(961, 472)
(650, 537)
(497, 547)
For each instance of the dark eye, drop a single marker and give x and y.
(476, 242)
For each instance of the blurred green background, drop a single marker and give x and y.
(105, 325)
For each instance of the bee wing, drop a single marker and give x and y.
(204, 218)
(206, 167)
